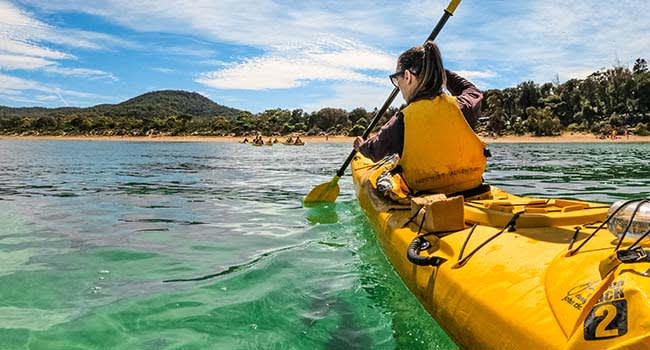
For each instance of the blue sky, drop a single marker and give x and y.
(262, 54)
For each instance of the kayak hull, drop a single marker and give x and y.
(516, 291)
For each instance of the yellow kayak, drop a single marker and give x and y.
(524, 273)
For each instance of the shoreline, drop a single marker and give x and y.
(564, 138)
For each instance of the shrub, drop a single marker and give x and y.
(357, 130)
(642, 129)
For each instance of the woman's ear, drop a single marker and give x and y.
(409, 77)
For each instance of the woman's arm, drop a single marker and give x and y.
(467, 95)
(389, 139)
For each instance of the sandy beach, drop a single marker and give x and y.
(564, 138)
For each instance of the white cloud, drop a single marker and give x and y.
(14, 46)
(11, 62)
(537, 40)
(47, 98)
(354, 56)
(80, 72)
(85, 39)
(19, 98)
(276, 73)
(213, 62)
(472, 74)
(292, 69)
(10, 83)
(23, 45)
(259, 23)
(187, 51)
(18, 31)
(299, 43)
(19, 26)
(15, 86)
(82, 95)
(349, 96)
(284, 45)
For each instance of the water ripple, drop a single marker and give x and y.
(90, 230)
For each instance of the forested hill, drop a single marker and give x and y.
(162, 104)
(156, 104)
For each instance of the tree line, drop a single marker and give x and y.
(611, 99)
(614, 99)
(332, 121)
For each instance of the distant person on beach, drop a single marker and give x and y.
(439, 151)
(290, 140)
(298, 141)
(245, 140)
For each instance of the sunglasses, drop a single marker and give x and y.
(393, 77)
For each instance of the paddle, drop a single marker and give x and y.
(329, 191)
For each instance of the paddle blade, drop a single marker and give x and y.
(323, 193)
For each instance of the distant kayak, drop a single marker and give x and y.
(513, 277)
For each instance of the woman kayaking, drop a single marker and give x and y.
(439, 152)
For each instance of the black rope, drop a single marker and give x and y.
(575, 236)
(509, 226)
(411, 219)
(629, 224)
(462, 249)
(640, 239)
(573, 252)
(424, 216)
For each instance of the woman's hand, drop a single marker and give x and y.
(358, 142)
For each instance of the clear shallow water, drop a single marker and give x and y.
(90, 230)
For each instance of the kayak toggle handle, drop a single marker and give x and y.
(632, 255)
(413, 253)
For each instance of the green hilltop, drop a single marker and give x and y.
(161, 104)
(155, 104)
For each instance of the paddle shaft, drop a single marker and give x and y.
(441, 23)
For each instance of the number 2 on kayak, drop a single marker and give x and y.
(606, 320)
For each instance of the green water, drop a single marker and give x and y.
(90, 230)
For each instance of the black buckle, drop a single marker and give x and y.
(634, 255)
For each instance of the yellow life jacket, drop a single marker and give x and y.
(441, 153)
